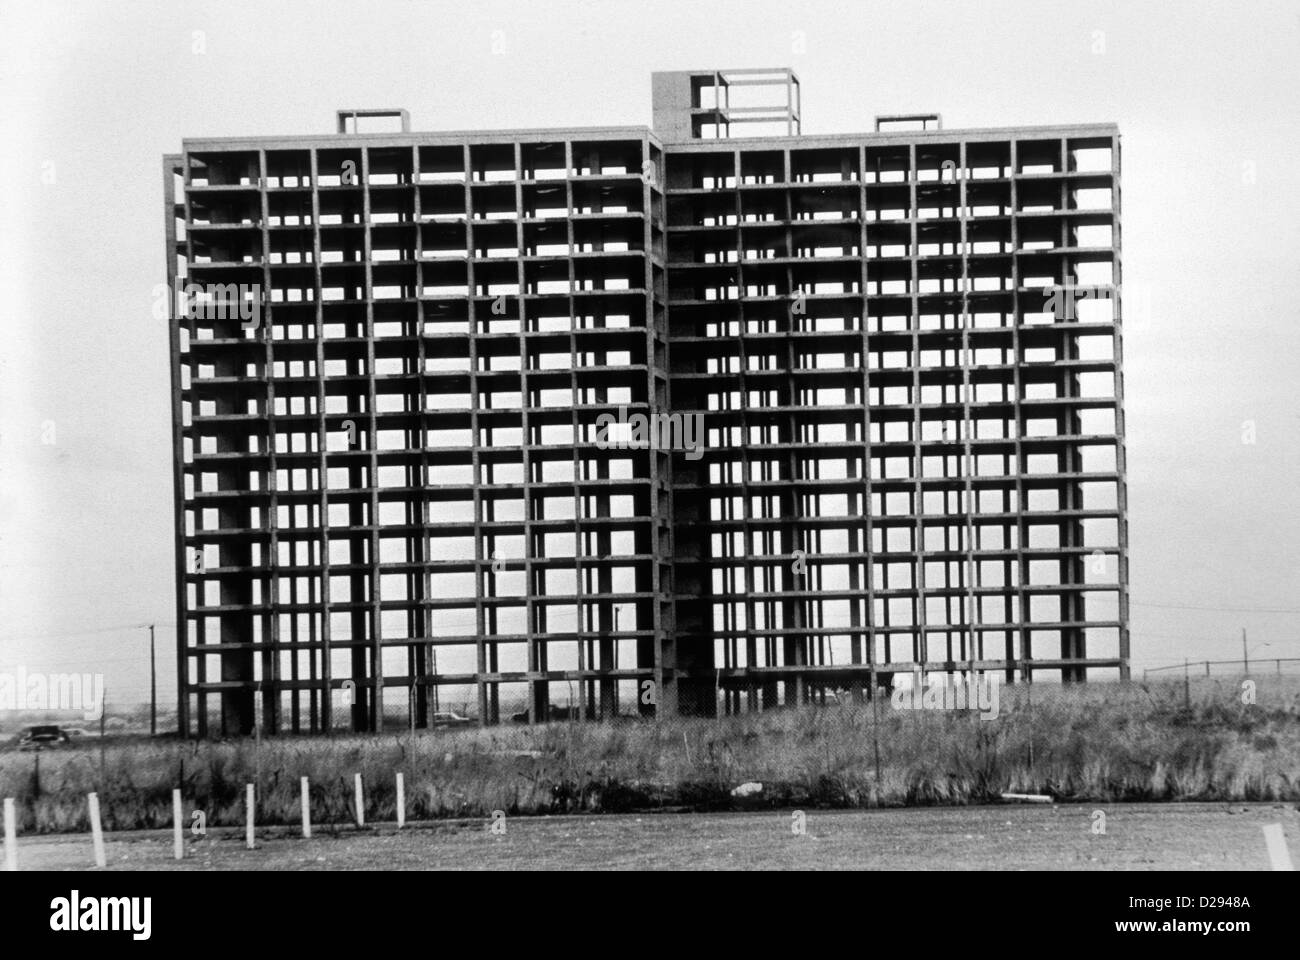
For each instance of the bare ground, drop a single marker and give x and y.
(1049, 837)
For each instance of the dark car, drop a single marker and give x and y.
(555, 714)
(41, 738)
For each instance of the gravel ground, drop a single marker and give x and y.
(1029, 837)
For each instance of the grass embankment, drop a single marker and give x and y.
(1094, 743)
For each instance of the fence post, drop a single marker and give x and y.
(361, 805)
(178, 838)
(401, 801)
(306, 809)
(250, 801)
(96, 833)
(11, 836)
(1279, 856)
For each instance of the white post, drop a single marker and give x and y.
(249, 803)
(401, 801)
(361, 806)
(178, 838)
(11, 836)
(1279, 856)
(306, 809)
(96, 834)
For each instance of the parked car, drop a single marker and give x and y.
(571, 712)
(556, 714)
(450, 720)
(41, 737)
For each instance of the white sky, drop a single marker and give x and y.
(94, 93)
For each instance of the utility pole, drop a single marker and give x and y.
(153, 687)
(257, 733)
(434, 653)
(103, 713)
(1245, 654)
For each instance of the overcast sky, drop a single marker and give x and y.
(93, 95)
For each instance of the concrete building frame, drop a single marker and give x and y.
(904, 346)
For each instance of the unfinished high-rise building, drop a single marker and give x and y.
(879, 375)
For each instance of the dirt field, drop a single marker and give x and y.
(1137, 837)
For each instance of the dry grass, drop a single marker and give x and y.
(1098, 742)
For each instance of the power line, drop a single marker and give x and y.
(86, 633)
(1143, 635)
(1188, 606)
(89, 660)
